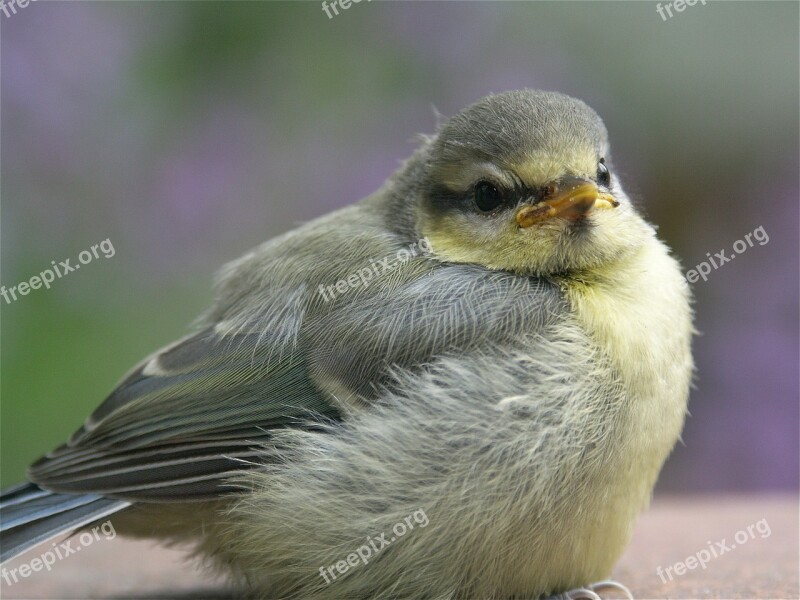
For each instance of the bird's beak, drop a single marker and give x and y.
(569, 197)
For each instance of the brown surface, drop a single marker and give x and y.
(673, 529)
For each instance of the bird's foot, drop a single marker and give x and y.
(592, 592)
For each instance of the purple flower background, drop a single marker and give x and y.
(187, 133)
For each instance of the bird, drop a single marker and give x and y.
(469, 381)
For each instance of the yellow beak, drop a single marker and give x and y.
(569, 198)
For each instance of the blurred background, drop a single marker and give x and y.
(186, 133)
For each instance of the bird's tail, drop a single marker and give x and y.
(30, 515)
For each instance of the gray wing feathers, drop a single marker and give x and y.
(275, 355)
(459, 308)
(30, 515)
(181, 423)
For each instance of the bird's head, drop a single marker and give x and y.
(522, 181)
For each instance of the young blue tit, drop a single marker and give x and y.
(468, 381)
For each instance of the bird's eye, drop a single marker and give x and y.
(487, 196)
(603, 176)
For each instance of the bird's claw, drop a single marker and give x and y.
(592, 592)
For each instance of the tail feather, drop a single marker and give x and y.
(20, 493)
(30, 515)
(39, 508)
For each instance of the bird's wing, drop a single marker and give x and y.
(450, 310)
(185, 419)
(188, 417)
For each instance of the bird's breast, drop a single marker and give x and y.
(638, 313)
